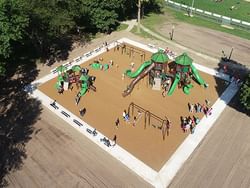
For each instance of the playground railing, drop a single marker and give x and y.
(223, 20)
(78, 59)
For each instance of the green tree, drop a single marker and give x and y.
(103, 13)
(148, 6)
(50, 20)
(245, 93)
(13, 22)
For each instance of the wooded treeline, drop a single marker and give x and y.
(46, 27)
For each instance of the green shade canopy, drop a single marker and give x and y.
(159, 57)
(84, 78)
(76, 68)
(183, 59)
(61, 69)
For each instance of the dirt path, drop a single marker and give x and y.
(208, 41)
(59, 156)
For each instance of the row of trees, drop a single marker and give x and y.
(45, 25)
(245, 93)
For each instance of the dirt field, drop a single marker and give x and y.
(107, 104)
(60, 156)
(208, 41)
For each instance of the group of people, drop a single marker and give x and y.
(198, 108)
(189, 123)
(236, 79)
(127, 119)
(234, 75)
(125, 116)
(170, 52)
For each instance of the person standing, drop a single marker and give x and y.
(168, 126)
(82, 112)
(117, 123)
(134, 121)
(192, 108)
(189, 107)
(125, 116)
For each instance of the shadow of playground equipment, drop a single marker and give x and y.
(18, 113)
(233, 68)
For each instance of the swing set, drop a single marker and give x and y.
(129, 50)
(148, 116)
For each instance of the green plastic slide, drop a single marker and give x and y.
(186, 88)
(197, 76)
(58, 85)
(173, 86)
(139, 70)
(60, 78)
(83, 89)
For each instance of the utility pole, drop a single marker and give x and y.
(172, 33)
(139, 17)
(231, 53)
(192, 6)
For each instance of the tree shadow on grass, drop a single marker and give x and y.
(18, 113)
(59, 50)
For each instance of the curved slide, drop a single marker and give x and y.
(197, 75)
(173, 86)
(84, 89)
(139, 70)
(137, 79)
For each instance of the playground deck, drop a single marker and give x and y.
(107, 104)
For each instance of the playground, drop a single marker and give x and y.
(127, 78)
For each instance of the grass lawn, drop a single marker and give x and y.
(142, 33)
(122, 27)
(241, 8)
(153, 20)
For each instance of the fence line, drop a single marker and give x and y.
(224, 20)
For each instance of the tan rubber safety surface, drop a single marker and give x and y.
(105, 105)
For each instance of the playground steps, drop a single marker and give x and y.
(157, 84)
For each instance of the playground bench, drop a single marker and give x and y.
(98, 49)
(54, 106)
(151, 45)
(88, 54)
(77, 122)
(94, 132)
(65, 114)
(77, 59)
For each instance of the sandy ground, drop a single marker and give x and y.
(107, 104)
(121, 176)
